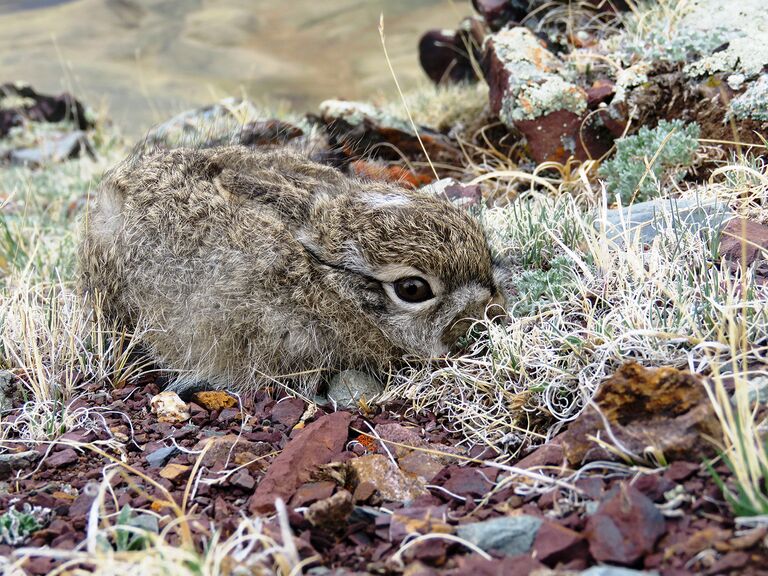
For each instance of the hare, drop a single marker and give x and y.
(249, 266)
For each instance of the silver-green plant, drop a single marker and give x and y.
(651, 158)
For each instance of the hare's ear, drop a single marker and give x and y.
(268, 189)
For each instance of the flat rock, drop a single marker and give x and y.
(311, 447)
(55, 149)
(17, 460)
(755, 246)
(625, 527)
(386, 478)
(288, 412)
(555, 543)
(646, 220)
(63, 458)
(615, 571)
(510, 535)
(159, 457)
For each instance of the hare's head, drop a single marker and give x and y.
(413, 264)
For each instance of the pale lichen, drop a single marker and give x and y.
(753, 103)
(538, 82)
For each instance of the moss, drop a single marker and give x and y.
(649, 157)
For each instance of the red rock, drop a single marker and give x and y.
(312, 492)
(555, 543)
(473, 482)
(61, 459)
(443, 57)
(549, 454)
(508, 566)
(288, 412)
(316, 444)
(242, 479)
(421, 464)
(731, 241)
(625, 527)
(225, 451)
(680, 471)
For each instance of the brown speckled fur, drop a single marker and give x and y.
(251, 265)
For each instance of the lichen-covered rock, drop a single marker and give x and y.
(526, 79)
(532, 92)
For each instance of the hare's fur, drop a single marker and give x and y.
(247, 266)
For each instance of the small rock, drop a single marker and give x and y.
(230, 449)
(349, 387)
(421, 520)
(17, 461)
(470, 482)
(756, 235)
(242, 479)
(388, 480)
(159, 457)
(288, 412)
(359, 129)
(555, 543)
(312, 492)
(38, 108)
(313, 446)
(510, 535)
(443, 55)
(476, 565)
(62, 458)
(420, 464)
(331, 513)
(170, 409)
(174, 471)
(625, 527)
(214, 400)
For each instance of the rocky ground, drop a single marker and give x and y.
(359, 487)
(630, 480)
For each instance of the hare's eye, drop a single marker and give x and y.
(413, 289)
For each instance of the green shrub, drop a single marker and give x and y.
(649, 158)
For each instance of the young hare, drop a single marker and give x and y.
(247, 266)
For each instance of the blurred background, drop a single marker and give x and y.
(145, 60)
